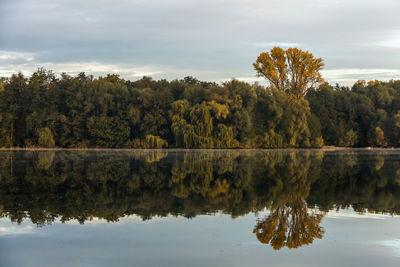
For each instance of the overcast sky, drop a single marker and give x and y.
(212, 40)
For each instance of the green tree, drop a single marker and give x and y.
(108, 131)
(349, 139)
(380, 137)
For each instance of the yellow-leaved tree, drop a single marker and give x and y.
(292, 70)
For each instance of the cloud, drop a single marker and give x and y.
(394, 41)
(11, 56)
(350, 76)
(14, 62)
(273, 44)
(27, 63)
(247, 79)
(346, 77)
(211, 39)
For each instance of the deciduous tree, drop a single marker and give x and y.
(292, 70)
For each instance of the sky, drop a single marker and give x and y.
(205, 240)
(213, 40)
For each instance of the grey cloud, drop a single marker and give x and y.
(216, 39)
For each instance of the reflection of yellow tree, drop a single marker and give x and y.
(290, 175)
(290, 225)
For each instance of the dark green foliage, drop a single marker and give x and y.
(365, 115)
(108, 131)
(84, 111)
(45, 186)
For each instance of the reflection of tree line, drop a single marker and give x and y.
(46, 185)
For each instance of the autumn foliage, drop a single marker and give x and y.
(292, 70)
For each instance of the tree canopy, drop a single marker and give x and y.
(297, 109)
(292, 70)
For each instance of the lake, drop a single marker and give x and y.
(200, 208)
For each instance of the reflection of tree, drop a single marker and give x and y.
(288, 179)
(290, 225)
(151, 155)
(46, 185)
(45, 159)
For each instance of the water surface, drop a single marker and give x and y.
(200, 208)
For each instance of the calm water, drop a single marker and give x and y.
(200, 208)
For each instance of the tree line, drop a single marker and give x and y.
(296, 109)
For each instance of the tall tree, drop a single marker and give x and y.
(292, 70)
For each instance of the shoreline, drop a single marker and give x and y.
(325, 148)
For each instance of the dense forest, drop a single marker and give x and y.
(48, 110)
(297, 187)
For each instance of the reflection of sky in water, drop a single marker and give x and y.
(350, 213)
(15, 230)
(37, 192)
(392, 244)
(206, 240)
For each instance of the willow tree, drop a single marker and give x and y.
(45, 137)
(292, 70)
